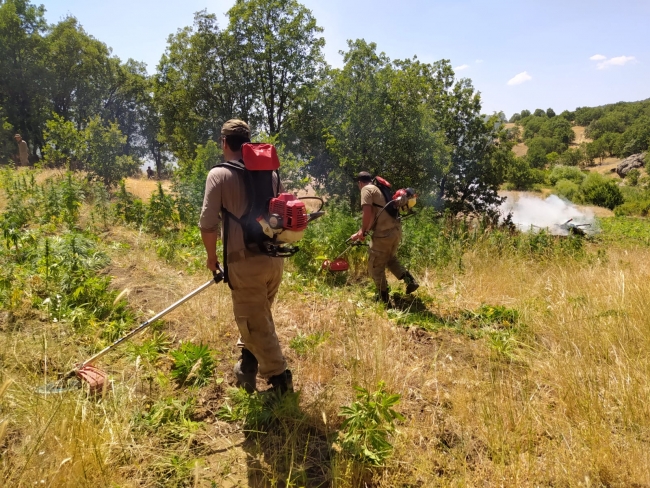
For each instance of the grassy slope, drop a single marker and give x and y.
(563, 403)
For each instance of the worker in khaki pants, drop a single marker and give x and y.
(386, 237)
(253, 278)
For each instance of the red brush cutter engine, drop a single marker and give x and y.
(405, 199)
(287, 212)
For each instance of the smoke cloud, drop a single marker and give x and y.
(557, 216)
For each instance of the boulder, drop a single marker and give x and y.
(629, 163)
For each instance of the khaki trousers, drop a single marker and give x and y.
(254, 282)
(383, 254)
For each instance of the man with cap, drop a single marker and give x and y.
(23, 150)
(386, 236)
(253, 278)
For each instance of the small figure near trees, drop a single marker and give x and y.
(23, 150)
(150, 173)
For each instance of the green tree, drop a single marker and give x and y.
(63, 144)
(80, 71)
(521, 176)
(373, 118)
(104, 152)
(539, 113)
(98, 149)
(23, 76)
(7, 143)
(550, 113)
(203, 80)
(279, 39)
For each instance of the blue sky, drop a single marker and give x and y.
(519, 54)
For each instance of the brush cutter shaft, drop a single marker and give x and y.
(218, 277)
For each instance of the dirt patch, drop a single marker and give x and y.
(580, 135)
(520, 149)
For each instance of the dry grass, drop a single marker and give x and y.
(566, 406)
(520, 149)
(142, 188)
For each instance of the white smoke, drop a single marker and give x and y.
(557, 216)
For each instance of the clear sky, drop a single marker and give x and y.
(519, 54)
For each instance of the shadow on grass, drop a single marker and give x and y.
(284, 446)
(411, 310)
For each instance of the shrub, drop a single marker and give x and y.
(567, 189)
(570, 173)
(161, 217)
(368, 423)
(189, 182)
(522, 176)
(598, 190)
(632, 177)
(193, 364)
(128, 208)
(639, 208)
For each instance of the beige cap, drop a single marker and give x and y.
(235, 127)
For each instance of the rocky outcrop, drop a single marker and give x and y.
(628, 164)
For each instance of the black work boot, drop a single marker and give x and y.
(282, 383)
(246, 371)
(411, 284)
(383, 296)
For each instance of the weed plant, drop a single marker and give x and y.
(129, 209)
(161, 217)
(193, 364)
(369, 424)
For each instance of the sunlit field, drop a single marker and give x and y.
(520, 361)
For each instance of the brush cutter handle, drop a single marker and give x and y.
(217, 278)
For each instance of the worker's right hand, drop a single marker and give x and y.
(358, 236)
(212, 263)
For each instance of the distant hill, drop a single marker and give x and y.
(586, 136)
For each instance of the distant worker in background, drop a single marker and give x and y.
(386, 236)
(23, 150)
(150, 173)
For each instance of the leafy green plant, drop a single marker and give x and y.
(161, 216)
(175, 415)
(493, 314)
(259, 410)
(151, 349)
(193, 364)
(369, 423)
(632, 177)
(303, 344)
(128, 208)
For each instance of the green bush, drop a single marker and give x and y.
(161, 216)
(369, 423)
(521, 176)
(632, 177)
(193, 365)
(129, 209)
(570, 173)
(601, 191)
(639, 208)
(567, 189)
